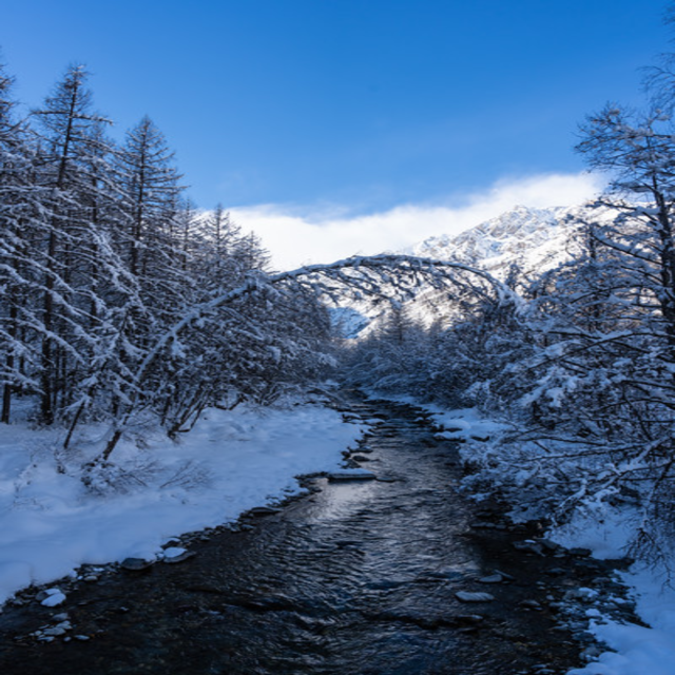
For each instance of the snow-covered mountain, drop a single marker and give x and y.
(535, 239)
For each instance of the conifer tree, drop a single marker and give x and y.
(19, 275)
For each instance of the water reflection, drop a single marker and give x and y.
(342, 499)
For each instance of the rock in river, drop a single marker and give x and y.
(468, 596)
(136, 564)
(176, 554)
(338, 476)
(492, 579)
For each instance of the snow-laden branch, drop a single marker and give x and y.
(376, 276)
(429, 268)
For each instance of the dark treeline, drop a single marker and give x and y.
(101, 253)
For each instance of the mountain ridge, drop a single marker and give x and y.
(528, 236)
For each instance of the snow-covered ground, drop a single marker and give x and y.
(637, 650)
(51, 523)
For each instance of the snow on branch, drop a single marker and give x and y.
(381, 276)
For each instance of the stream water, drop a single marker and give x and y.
(355, 578)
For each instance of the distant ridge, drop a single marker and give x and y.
(533, 238)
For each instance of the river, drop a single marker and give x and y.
(357, 577)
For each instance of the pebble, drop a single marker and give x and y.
(467, 596)
(177, 554)
(582, 593)
(55, 631)
(51, 597)
(492, 579)
(529, 547)
(136, 564)
(549, 545)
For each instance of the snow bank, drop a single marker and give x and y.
(465, 424)
(50, 523)
(639, 650)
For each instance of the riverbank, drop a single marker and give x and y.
(631, 648)
(237, 460)
(52, 523)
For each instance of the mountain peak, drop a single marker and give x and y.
(526, 235)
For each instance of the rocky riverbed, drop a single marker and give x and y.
(384, 570)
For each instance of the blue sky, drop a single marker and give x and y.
(338, 109)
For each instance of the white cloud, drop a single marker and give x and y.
(295, 238)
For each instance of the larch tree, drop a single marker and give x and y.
(72, 156)
(150, 184)
(19, 273)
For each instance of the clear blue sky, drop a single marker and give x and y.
(365, 104)
(372, 101)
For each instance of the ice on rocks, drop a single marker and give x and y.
(174, 552)
(54, 597)
(177, 554)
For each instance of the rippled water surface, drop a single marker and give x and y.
(358, 578)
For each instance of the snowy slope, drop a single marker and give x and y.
(509, 236)
(535, 239)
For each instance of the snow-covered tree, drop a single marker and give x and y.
(247, 317)
(71, 173)
(19, 272)
(150, 237)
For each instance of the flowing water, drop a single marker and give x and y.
(356, 578)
